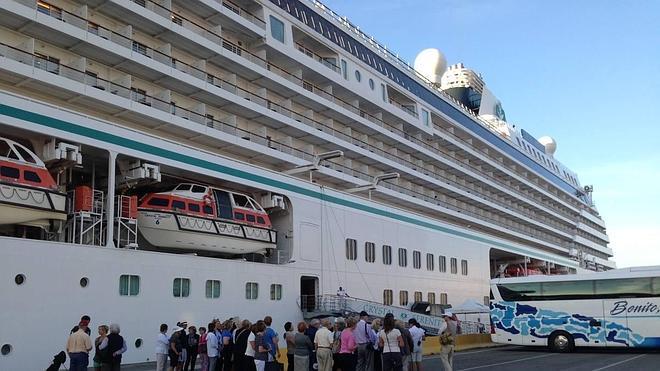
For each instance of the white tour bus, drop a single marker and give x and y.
(617, 308)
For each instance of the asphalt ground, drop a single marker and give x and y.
(507, 358)
(541, 359)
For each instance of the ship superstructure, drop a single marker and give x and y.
(365, 173)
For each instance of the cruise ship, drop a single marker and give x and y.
(187, 160)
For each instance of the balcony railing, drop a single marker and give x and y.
(164, 106)
(323, 60)
(228, 45)
(242, 12)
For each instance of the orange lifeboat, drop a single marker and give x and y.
(198, 217)
(28, 193)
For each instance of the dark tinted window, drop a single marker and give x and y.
(26, 156)
(239, 216)
(157, 201)
(10, 172)
(261, 220)
(178, 205)
(193, 207)
(198, 189)
(575, 290)
(31, 176)
(251, 218)
(241, 201)
(208, 209)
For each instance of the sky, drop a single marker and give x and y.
(585, 72)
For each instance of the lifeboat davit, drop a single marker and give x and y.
(201, 218)
(28, 193)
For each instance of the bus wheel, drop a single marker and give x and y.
(561, 342)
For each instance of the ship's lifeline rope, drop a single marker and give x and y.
(30, 194)
(323, 221)
(357, 266)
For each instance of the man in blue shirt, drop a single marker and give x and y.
(270, 338)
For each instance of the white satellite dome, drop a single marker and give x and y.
(431, 63)
(549, 143)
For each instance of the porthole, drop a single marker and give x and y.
(84, 282)
(371, 84)
(138, 342)
(6, 349)
(19, 279)
(358, 76)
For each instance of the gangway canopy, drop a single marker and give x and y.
(471, 306)
(332, 305)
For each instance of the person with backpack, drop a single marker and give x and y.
(390, 340)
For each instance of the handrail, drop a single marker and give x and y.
(242, 12)
(164, 106)
(227, 44)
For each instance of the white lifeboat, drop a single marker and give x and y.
(28, 193)
(202, 218)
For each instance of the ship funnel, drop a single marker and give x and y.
(431, 64)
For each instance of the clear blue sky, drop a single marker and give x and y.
(584, 72)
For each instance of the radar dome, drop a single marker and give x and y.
(549, 143)
(431, 64)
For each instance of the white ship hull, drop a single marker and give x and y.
(176, 231)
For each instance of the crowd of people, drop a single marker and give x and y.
(346, 344)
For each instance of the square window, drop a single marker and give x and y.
(251, 290)
(351, 249)
(387, 254)
(370, 252)
(212, 289)
(403, 257)
(417, 259)
(181, 287)
(275, 292)
(442, 264)
(464, 267)
(129, 285)
(454, 266)
(388, 298)
(277, 29)
(403, 298)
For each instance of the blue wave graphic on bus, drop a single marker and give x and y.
(525, 319)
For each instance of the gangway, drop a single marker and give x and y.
(339, 306)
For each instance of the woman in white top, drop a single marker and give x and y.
(391, 341)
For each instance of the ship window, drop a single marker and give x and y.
(372, 86)
(464, 267)
(251, 218)
(212, 289)
(344, 69)
(275, 291)
(183, 187)
(19, 279)
(181, 287)
(129, 285)
(418, 296)
(241, 201)
(6, 151)
(10, 172)
(403, 298)
(178, 205)
(369, 252)
(442, 264)
(383, 90)
(198, 189)
(239, 216)
(430, 262)
(31, 176)
(251, 290)
(261, 220)
(426, 118)
(431, 298)
(158, 201)
(388, 297)
(351, 249)
(387, 254)
(358, 76)
(193, 207)
(27, 157)
(208, 210)
(403, 257)
(443, 298)
(454, 266)
(417, 259)
(277, 29)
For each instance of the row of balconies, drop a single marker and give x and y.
(166, 59)
(238, 50)
(199, 117)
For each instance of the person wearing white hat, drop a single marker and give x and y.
(447, 339)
